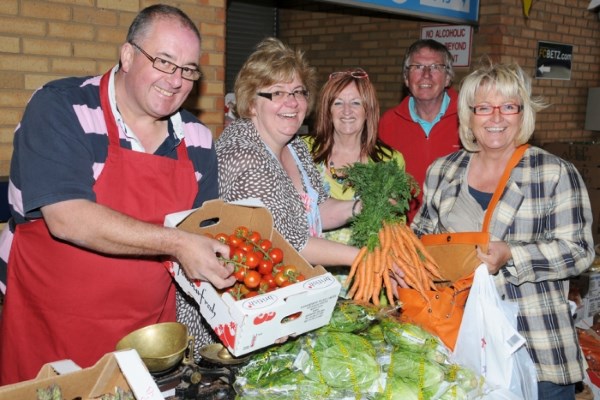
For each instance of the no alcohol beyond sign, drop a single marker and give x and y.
(554, 61)
(457, 38)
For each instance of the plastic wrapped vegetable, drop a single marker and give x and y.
(341, 360)
(413, 338)
(416, 367)
(399, 389)
(281, 385)
(264, 364)
(350, 317)
(466, 381)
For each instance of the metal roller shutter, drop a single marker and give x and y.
(248, 22)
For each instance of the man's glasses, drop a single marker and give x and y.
(357, 73)
(432, 68)
(505, 109)
(280, 96)
(190, 74)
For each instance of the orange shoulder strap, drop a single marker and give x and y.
(514, 160)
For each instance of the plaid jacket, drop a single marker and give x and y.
(544, 215)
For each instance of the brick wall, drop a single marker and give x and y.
(44, 40)
(336, 37)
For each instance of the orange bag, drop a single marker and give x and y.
(440, 311)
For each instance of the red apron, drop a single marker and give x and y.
(66, 302)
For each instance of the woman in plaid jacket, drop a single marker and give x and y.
(541, 228)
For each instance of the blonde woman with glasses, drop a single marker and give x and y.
(541, 226)
(261, 156)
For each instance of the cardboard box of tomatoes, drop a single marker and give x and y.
(247, 324)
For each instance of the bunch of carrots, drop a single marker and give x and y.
(370, 272)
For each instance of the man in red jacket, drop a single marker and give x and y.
(424, 126)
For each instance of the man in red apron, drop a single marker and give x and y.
(98, 162)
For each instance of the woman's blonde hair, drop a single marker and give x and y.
(509, 81)
(272, 62)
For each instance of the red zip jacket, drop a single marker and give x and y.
(399, 131)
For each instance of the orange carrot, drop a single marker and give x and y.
(389, 291)
(434, 270)
(410, 277)
(369, 277)
(354, 265)
(420, 246)
(355, 285)
(379, 278)
(363, 277)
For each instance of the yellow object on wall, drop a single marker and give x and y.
(526, 7)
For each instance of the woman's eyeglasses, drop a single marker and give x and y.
(280, 96)
(357, 73)
(505, 109)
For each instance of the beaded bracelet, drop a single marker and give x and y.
(354, 207)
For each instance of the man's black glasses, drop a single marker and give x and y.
(190, 74)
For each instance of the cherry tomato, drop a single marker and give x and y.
(277, 268)
(267, 282)
(240, 273)
(280, 279)
(237, 291)
(247, 247)
(265, 244)
(290, 270)
(276, 255)
(286, 283)
(300, 278)
(252, 279)
(293, 316)
(253, 237)
(241, 231)
(234, 292)
(251, 293)
(222, 237)
(235, 240)
(265, 267)
(237, 255)
(252, 259)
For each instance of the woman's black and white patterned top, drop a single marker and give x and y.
(247, 169)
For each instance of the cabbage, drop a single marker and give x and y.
(350, 317)
(342, 360)
(417, 368)
(399, 389)
(407, 336)
(465, 378)
(270, 361)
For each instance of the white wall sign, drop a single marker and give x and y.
(457, 38)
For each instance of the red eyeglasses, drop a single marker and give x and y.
(357, 73)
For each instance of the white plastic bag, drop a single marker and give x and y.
(489, 343)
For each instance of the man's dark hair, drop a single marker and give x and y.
(144, 19)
